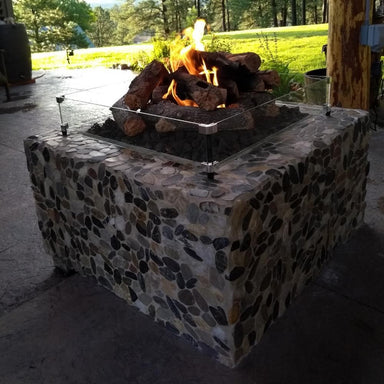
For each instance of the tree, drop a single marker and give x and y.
(45, 23)
(274, 13)
(294, 12)
(123, 17)
(198, 7)
(256, 14)
(52, 23)
(102, 28)
(228, 17)
(223, 15)
(234, 13)
(181, 12)
(325, 11)
(304, 11)
(164, 13)
(284, 12)
(77, 11)
(314, 8)
(152, 15)
(166, 16)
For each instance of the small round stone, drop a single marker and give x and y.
(143, 266)
(219, 315)
(167, 232)
(186, 297)
(169, 213)
(171, 264)
(220, 243)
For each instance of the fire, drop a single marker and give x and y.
(187, 58)
(184, 57)
(172, 90)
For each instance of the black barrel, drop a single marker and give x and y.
(14, 41)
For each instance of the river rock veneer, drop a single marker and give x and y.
(216, 262)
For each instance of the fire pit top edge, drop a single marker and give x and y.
(234, 178)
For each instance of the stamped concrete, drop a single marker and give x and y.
(57, 329)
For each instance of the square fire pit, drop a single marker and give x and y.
(215, 261)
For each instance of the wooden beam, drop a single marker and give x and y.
(348, 62)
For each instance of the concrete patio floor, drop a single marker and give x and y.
(65, 329)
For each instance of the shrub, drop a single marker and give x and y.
(216, 44)
(271, 60)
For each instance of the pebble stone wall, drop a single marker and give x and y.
(216, 262)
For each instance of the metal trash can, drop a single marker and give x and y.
(316, 86)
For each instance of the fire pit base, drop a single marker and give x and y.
(216, 262)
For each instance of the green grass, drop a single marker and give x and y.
(299, 47)
(91, 57)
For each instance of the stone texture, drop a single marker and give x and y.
(273, 233)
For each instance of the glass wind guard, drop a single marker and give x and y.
(190, 134)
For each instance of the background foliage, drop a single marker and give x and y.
(299, 48)
(53, 23)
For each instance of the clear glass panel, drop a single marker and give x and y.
(189, 134)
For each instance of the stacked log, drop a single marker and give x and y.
(242, 86)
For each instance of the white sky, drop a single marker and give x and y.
(101, 1)
(110, 3)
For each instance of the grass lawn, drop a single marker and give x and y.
(90, 57)
(298, 46)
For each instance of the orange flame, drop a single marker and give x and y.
(172, 90)
(187, 59)
(184, 58)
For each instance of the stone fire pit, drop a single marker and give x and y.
(216, 262)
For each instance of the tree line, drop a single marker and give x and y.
(53, 24)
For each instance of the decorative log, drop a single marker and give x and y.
(127, 120)
(245, 63)
(238, 118)
(120, 112)
(162, 116)
(242, 87)
(271, 78)
(142, 86)
(219, 60)
(211, 59)
(250, 60)
(241, 68)
(249, 83)
(232, 90)
(206, 96)
(133, 125)
(259, 104)
(252, 99)
(165, 125)
(158, 93)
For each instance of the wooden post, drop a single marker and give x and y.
(348, 62)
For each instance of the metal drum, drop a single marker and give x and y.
(17, 53)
